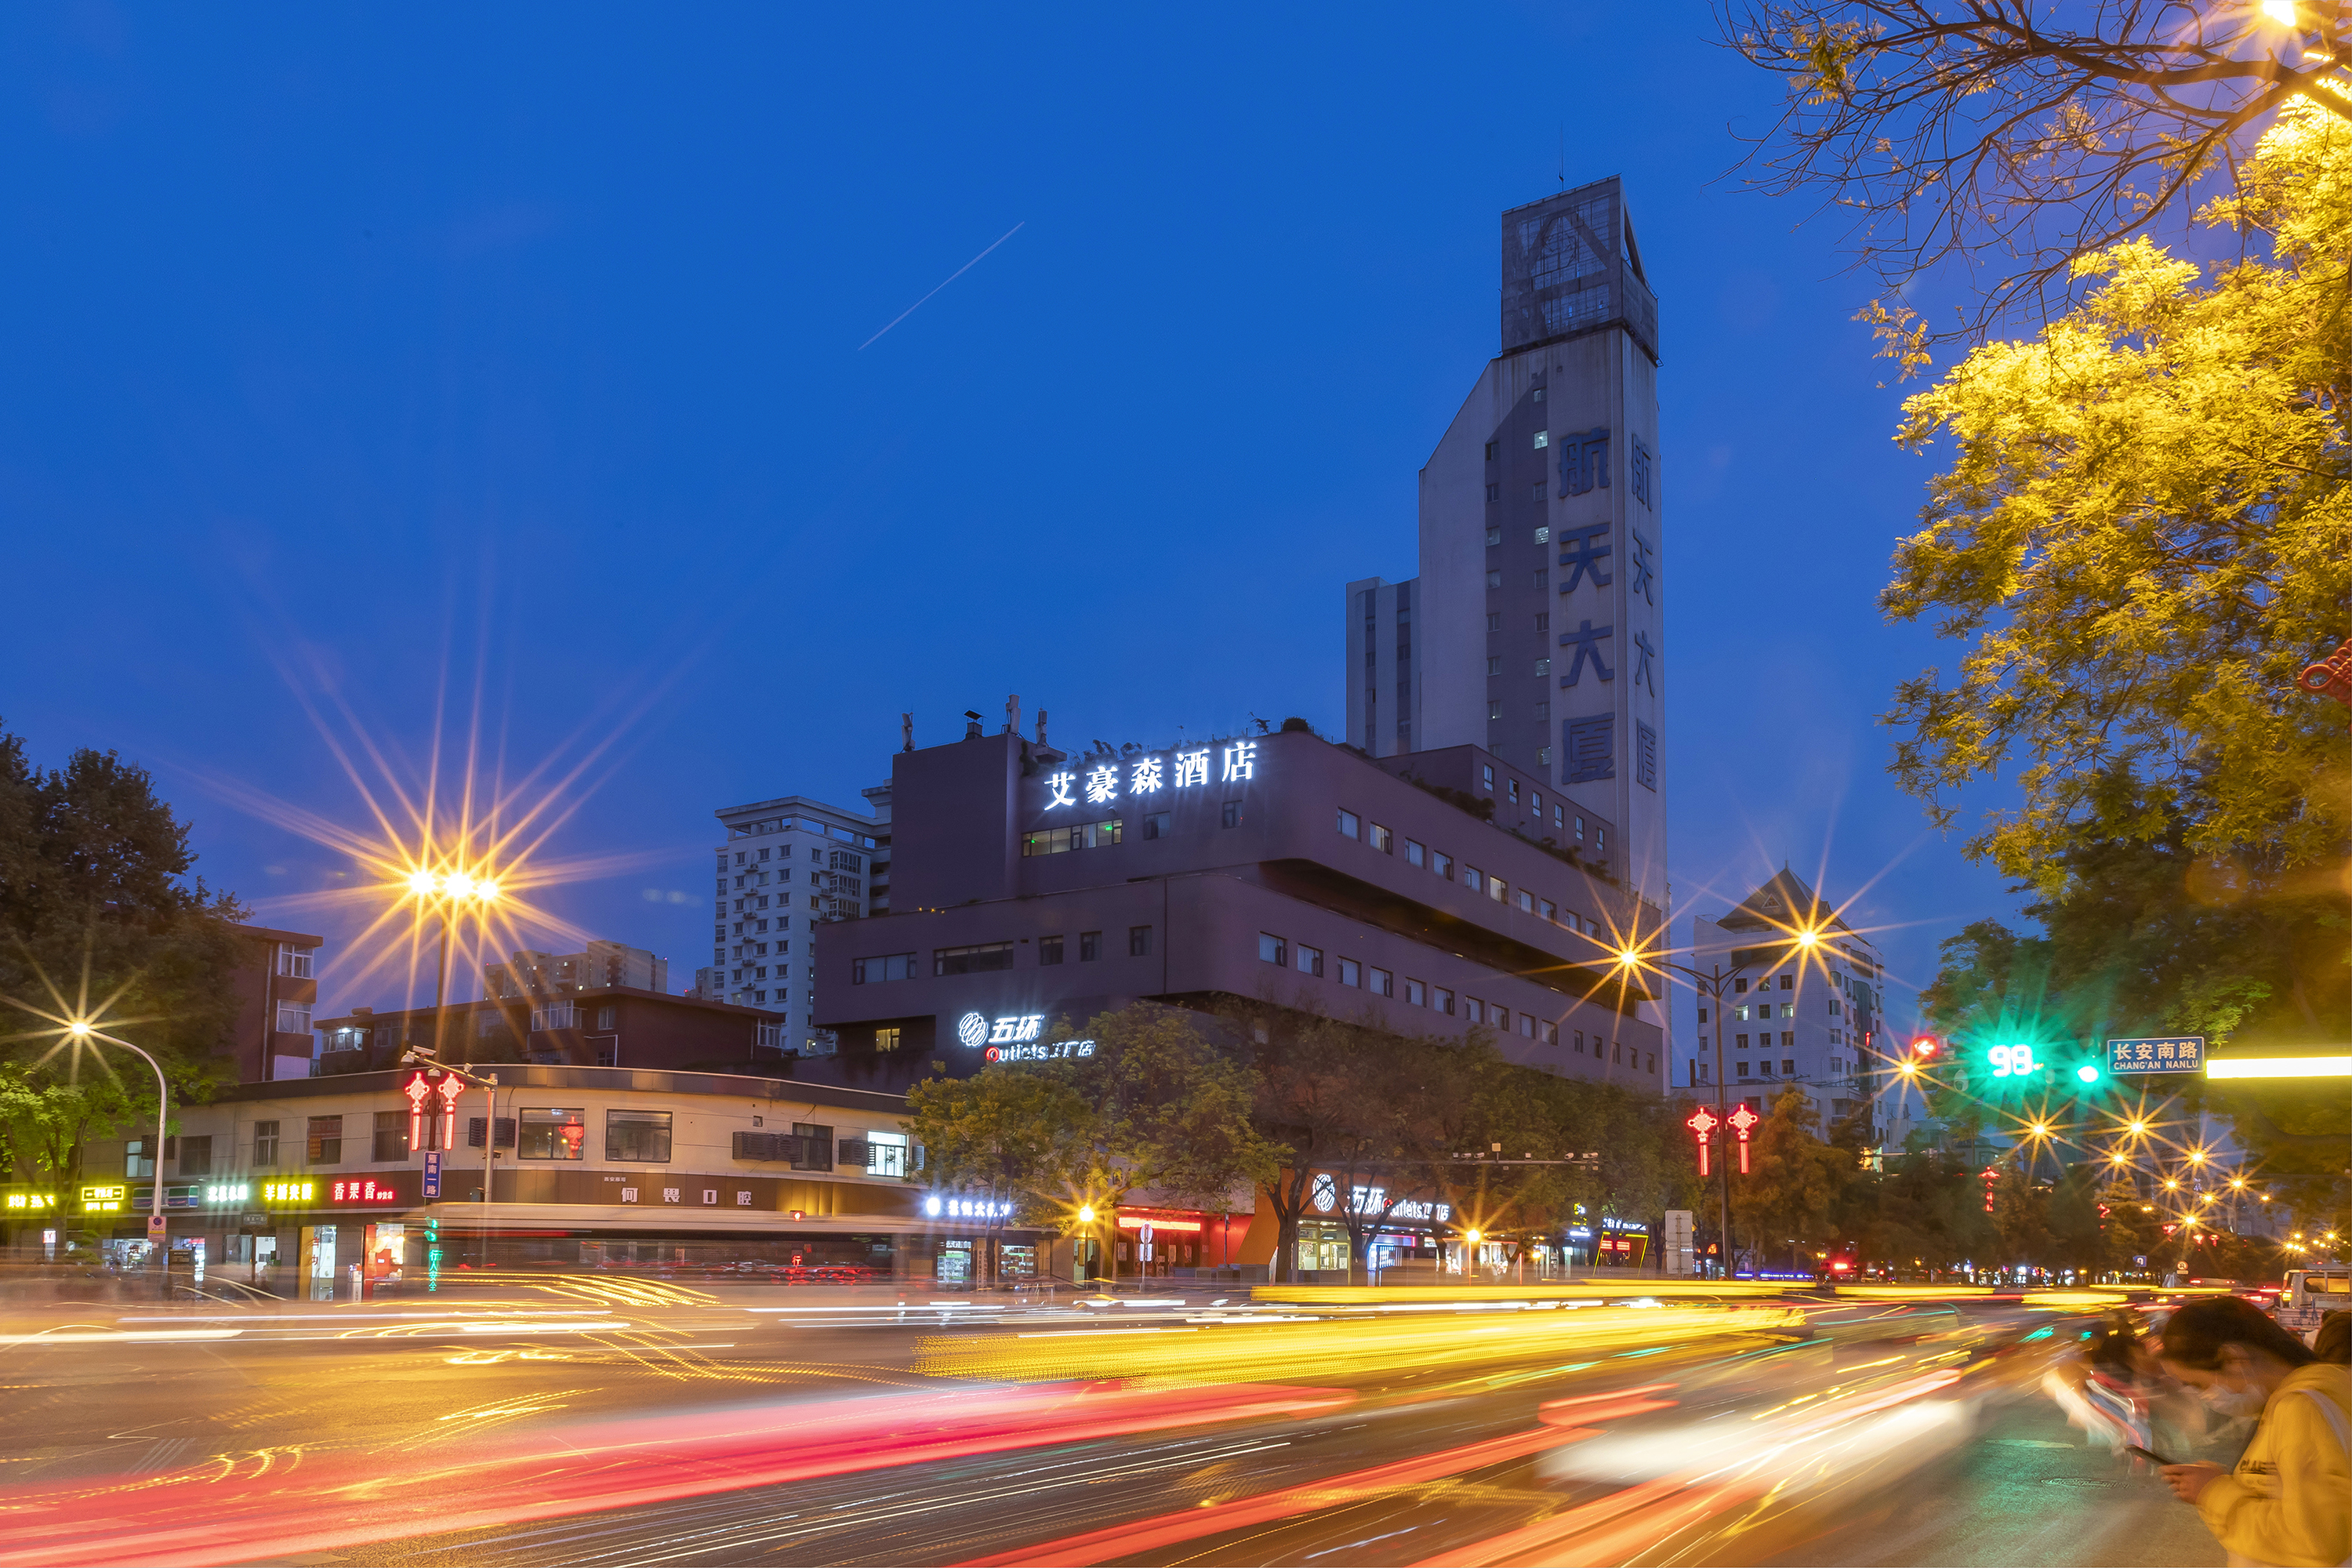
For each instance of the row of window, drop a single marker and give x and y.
(988, 957)
(1279, 951)
(1477, 881)
(536, 1132)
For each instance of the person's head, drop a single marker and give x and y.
(2115, 1348)
(2229, 1352)
(2334, 1341)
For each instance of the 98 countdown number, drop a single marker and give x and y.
(2011, 1061)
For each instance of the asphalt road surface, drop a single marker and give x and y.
(680, 1428)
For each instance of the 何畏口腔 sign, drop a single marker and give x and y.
(2177, 1053)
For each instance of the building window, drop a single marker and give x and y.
(979, 958)
(265, 1146)
(1788, 1039)
(1493, 492)
(1765, 1067)
(1737, 985)
(294, 963)
(548, 1133)
(887, 1039)
(1495, 579)
(1494, 664)
(1497, 890)
(293, 1017)
(1474, 879)
(1789, 1068)
(1415, 852)
(1543, 536)
(1139, 941)
(196, 1156)
(1078, 835)
(1382, 839)
(1551, 1034)
(1494, 620)
(1272, 949)
(1155, 825)
(1526, 1027)
(815, 1146)
(1540, 577)
(1490, 451)
(1493, 536)
(1527, 900)
(885, 1153)
(1543, 439)
(1383, 983)
(1495, 710)
(1310, 961)
(323, 1143)
(390, 1136)
(604, 1015)
(1233, 813)
(1487, 776)
(640, 1136)
(1740, 1041)
(1535, 492)
(1788, 982)
(1442, 863)
(1445, 1003)
(1474, 1009)
(1513, 786)
(1049, 949)
(1416, 995)
(1350, 972)
(888, 966)
(1347, 824)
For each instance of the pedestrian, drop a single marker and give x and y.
(2288, 1504)
(2333, 1341)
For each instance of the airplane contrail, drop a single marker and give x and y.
(951, 278)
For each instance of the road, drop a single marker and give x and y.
(593, 1423)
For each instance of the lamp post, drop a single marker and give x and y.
(448, 891)
(83, 1032)
(1710, 981)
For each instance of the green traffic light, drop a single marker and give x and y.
(2087, 1073)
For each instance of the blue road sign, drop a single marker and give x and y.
(2177, 1053)
(433, 1172)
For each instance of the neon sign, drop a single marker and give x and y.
(101, 1200)
(1047, 1051)
(28, 1201)
(966, 1208)
(228, 1192)
(1138, 1222)
(288, 1191)
(365, 1191)
(1148, 775)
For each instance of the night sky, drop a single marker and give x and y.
(368, 368)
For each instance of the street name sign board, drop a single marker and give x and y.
(2175, 1053)
(433, 1172)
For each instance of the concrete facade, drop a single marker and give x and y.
(787, 867)
(1031, 886)
(276, 987)
(1535, 626)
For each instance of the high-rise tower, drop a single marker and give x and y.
(1535, 626)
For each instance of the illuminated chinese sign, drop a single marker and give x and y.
(29, 1203)
(1046, 1051)
(288, 1191)
(228, 1192)
(365, 1192)
(101, 1200)
(1101, 782)
(966, 1208)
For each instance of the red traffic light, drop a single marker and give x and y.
(1927, 1047)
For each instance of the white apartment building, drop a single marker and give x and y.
(1813, 1017)
(787, 869)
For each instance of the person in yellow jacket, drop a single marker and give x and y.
(2288, 1504)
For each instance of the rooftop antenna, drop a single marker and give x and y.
(1563, 155)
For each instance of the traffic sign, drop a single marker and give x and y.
(2175, 1053)
(433, 1172)
(155, 1224)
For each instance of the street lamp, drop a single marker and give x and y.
(81, 1031)
(449, 891)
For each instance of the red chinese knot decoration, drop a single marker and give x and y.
(2332, 676)
(1743, 1121)
(1702, 1123)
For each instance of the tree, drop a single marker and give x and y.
(1158, 1107)
(1793, 1185)
(2011, 140)
(1925, 1212)
(2144, 535)
(98, 911)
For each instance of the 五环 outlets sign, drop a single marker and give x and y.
(1012, 1037)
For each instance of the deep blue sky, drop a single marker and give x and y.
(355, 355)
